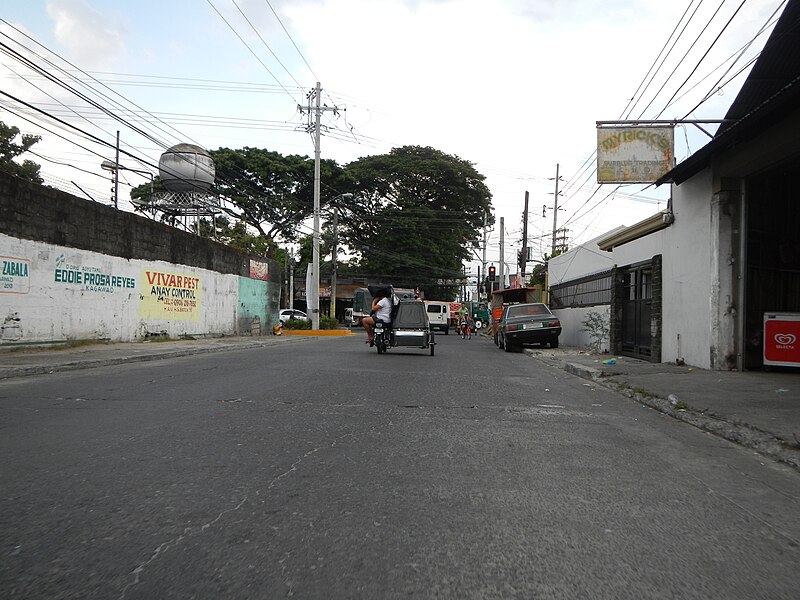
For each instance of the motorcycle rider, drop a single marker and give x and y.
(382, 310)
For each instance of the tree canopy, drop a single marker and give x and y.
(407, 217)
(415, 212)
(270, 192)
(10, 149)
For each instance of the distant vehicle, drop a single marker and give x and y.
(527, 324)
(438, 315)
(456, 310)
(479, 312)
(288, 313)
(362, 304)
(501, 298)
(362, 301)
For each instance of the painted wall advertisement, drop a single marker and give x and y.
(15, 275)
(634, 154)
(259, 270)
(89, 278)
(169, 296)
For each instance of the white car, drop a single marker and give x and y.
(288, 313)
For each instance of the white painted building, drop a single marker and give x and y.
(695, 282)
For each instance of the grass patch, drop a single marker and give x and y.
(50, 346)
(624, 387)
(643, 392)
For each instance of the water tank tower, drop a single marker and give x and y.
(186, 168)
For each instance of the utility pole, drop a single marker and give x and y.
(502, 254)
(555, 215)
(312, 295)
(523, 259)
(483, 259)
(335, 252)
(116, 175)
(291, 279)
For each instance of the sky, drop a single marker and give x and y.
(514, 86)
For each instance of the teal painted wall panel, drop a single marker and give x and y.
(257, 306)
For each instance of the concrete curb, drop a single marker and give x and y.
(738, 433)
(75, 365)
(319, 332)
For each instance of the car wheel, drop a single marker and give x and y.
(554, 342)
(508, 347)
(447, 331)
(501, 342)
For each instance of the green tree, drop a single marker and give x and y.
(273, 193)
(236, 235)
(538, 275)
(10, 149)
(415, 212)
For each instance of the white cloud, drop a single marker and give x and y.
(91, 40)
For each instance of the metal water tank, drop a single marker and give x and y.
(186, 168)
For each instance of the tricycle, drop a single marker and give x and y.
(409, 328)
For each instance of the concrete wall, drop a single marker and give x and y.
(572, 329)
(67, 277)
(686, 275)
(580, 261)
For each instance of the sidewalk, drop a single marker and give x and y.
(31, 360)
(759, 410)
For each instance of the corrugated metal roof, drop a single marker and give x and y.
(769, 94)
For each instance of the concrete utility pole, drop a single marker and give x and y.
(312, 295)
(335, 252)
(116, 175)
(523, 259)
(291, 283)
(483, 260)
(555, 216)
(502, 285)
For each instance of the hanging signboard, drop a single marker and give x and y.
(634, 154)
(259, 270)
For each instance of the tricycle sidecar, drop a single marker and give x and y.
(410, 328)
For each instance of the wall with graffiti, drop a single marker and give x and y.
(53, 293)
(124, 278)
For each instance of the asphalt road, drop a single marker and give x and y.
(323, 470)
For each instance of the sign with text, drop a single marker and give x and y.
(782, 339)
(169, 296)
(89, 278)
(634, 154)
(14, 275)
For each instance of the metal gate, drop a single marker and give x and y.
(637, 310)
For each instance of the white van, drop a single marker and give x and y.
(439, 315)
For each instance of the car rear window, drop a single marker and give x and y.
(434, 308)
(524, 310)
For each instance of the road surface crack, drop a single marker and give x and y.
(162, 548)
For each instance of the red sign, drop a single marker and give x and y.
(782, 340)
